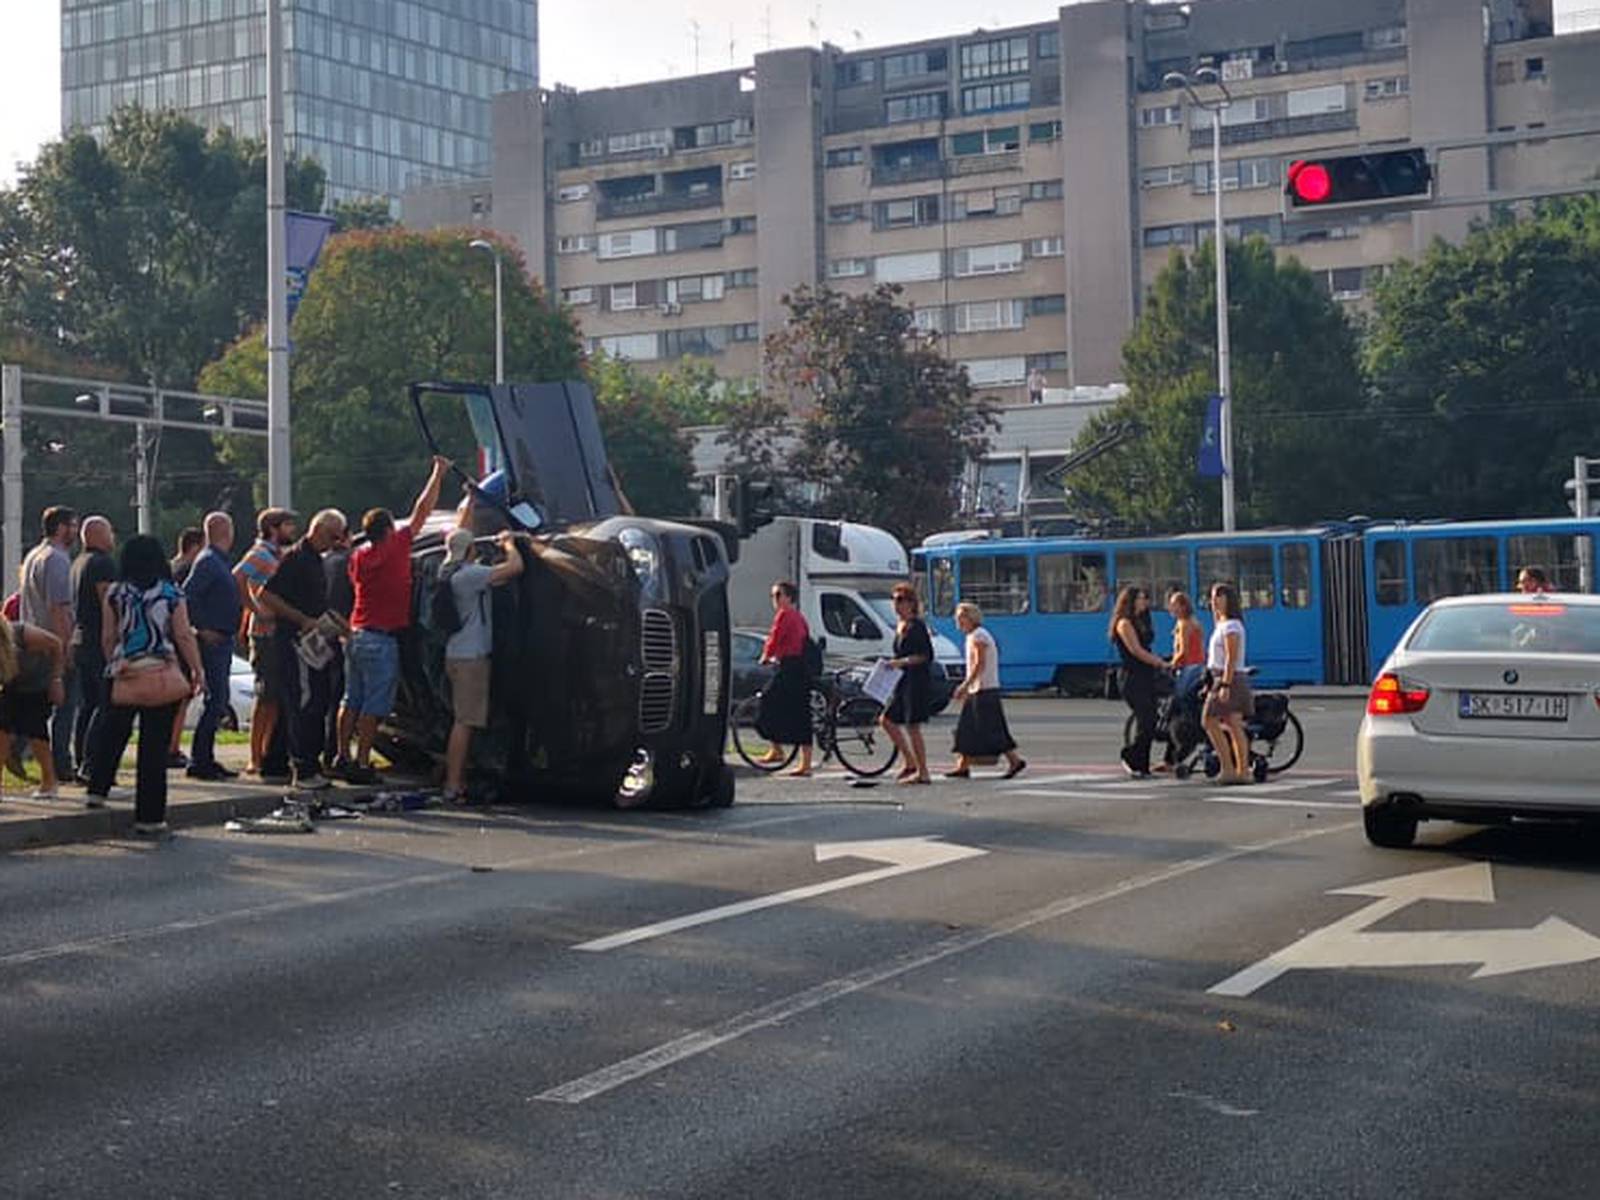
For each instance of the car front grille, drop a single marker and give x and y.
(658, 649)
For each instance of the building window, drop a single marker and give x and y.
(1162, 114)
(738, 225)
(481, 205)
(986, 60)
(1041, 306)
(1045, 247)
(1387, 38)
(857, 71)
(580, 243)
(1044, 189)
(717, 133)
(702, 235)
(984, 316)
(916, 267)
(844, 214)
(624, 297)
(919, 106)
(915, 64)
(577, 295)
(1169, 176)
(744, 277)
(1054, 360)
(1166, 235)
(928, 320)
(1241, 173)
(986, 141)
(986, 202)
(996, 372)
(1343, 283)
(902, 214)
(1389, 88)
(593, 148)
(742, 170)
(680, 343)
(639, 347)
(748, 332)
(845, 156)
(993, 97)
(1307, 102)
(631, 244)
(1050, 44)
(643, 139)
(1533, 68)
(848, 268)
(987, 260)
(1044, 131)
(573, 191)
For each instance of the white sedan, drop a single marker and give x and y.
(1488, 709)
(241, 698)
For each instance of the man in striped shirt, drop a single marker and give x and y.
(276, 529)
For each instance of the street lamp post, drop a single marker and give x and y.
(499, 310)
(1220, 246)
(278, 445)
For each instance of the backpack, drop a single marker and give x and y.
(443, 615)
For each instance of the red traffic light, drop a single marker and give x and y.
(1311, 182)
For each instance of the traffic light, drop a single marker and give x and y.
(1385, 175)
(754, 505)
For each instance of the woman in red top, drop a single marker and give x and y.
(1188, 638)
(784, 718)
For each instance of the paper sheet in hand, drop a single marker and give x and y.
(882, 680)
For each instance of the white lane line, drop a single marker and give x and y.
(1058, 794)
(596, 1083)
(1273, 801)
(187, 924)
(1078, 777)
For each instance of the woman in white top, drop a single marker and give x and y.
(1229, 701)
(981, 731)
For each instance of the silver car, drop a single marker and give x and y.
(1488, 709)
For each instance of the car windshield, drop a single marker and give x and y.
(1534, 628)
(882, 603)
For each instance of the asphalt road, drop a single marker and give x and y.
(398, 1007)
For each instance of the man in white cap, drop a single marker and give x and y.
(466, 654)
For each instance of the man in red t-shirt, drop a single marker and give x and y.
(380, 574)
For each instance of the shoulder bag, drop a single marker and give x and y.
(149, 683)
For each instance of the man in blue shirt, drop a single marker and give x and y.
(214, 610)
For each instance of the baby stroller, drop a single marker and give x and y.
(1276, 739)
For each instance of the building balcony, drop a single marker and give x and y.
(914, 172)
(982, 164)
(1278, 127)
(622, 208)
(953, 168)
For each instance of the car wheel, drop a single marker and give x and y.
(722, 794)
(1388, 827)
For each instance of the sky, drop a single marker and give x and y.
(643, 39)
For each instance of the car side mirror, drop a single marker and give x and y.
(862, 630)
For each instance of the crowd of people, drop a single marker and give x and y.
(92, 645)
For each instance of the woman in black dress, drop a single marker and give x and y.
(784, 716)
(1132, 635)
(912, 702)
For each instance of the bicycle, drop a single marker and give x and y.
(843, 727)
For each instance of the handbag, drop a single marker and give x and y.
(149, 683)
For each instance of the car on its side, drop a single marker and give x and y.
(1488, 710)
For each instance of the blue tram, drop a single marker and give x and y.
(1322, 605)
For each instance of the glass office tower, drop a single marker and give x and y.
(383, 93)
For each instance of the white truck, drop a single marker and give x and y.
(845, 573)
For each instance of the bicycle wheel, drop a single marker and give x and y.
(747, 739)
(1284, 750)
(859, 742)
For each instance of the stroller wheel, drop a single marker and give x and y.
(1212, 766)
(1182, 771)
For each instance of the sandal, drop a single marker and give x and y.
(958, 773)
(1015, 769)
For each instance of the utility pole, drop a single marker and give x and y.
(279, 478)
(11, 474)
(141, 476)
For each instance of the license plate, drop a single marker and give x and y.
(1513, 706)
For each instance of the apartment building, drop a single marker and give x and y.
(1024, 186)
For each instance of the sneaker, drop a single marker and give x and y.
(41, 793)
(313, 782)
(210, 773)
(177, 760)
(153, 829)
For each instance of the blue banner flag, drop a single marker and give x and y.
(1210, 465)
(306, 234)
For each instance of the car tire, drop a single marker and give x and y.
(722, 793)
(1388, 827)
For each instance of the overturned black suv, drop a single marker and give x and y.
(609, 677)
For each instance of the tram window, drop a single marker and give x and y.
(1455, 567)
(943, 576)
(1296, 564)
(1557, 554)
(1158, 572)
(1072, 583)
(996, 583)
(1389, 573)
(1248, 568)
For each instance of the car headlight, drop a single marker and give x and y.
(644, 556)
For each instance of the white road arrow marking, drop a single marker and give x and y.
(1347, 943)
(903, 855)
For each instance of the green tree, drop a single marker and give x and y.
(371, 213)
(644, 436)
(1485, 367)
(384, 309)
(884, 424)
(144, 250)
(1296, 396)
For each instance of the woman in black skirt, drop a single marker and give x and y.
(784, 716)
(1132, 635)
(912, 702)
(982, 730)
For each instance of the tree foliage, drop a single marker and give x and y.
(1298, 456)
(884, 423)
(643, 418)
(384, 309)
(1486, 368)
